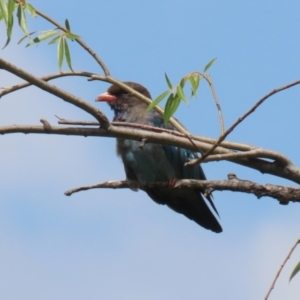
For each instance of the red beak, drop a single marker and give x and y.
(106, 97)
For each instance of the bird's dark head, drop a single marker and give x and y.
(123, 102)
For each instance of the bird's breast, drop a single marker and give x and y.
(149, 163)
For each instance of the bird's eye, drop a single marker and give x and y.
(126, 94)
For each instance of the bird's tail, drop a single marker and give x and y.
(188, 202)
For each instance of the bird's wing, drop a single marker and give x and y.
(178, 157)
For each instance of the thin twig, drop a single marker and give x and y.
(79, 41)
(252, 152)
(215, 97)
(45, 78)
(122, 124)
(214, 93)
(224, 144)
(262, 153)
(239, 120)
(280, 269)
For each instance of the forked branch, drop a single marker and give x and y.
(240, 119)
(54, 90)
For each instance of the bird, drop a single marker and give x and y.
(158, 163)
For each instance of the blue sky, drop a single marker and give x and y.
(119, 244)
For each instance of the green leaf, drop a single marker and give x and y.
(171, 107)
(22, 18)
(167, 113)
(68, 55)
(72, 36)
(31, 9)
(10, 20)
(67, 25)
(60, 51)
(175, 104)
(157, 100)
(168, 81)
(42, 37)
(4, 11)
(182, 82)
(197, 80)
(10, 8)
(209, 64)
(181, 94)
(1, 15)
(9, 31)
(194, 86)
(295, 271)
(26, 36)
(55, 40)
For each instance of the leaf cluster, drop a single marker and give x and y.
(59, 36)
(175, 93)
(7, 10)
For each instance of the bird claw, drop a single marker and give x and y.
(172, 182)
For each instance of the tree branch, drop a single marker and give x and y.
(255, 152)
(249, 153)
(281, 193)
(224, 144)
(54, 90)
(290, 171)
(240, 119)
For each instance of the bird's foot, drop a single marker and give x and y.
(171, 183)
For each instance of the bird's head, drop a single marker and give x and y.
(124, 104)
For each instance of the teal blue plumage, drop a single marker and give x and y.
(154, 162)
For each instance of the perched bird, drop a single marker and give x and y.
(158, 163)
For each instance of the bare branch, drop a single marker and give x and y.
(54, 90)
(280, 269)
(45, 78)
(214, 93)
(224, 144)
(105, 185)
(281, 193)
(240, 119)
(252, 152)
(79, 41)
(256, 152)
(290, 172)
